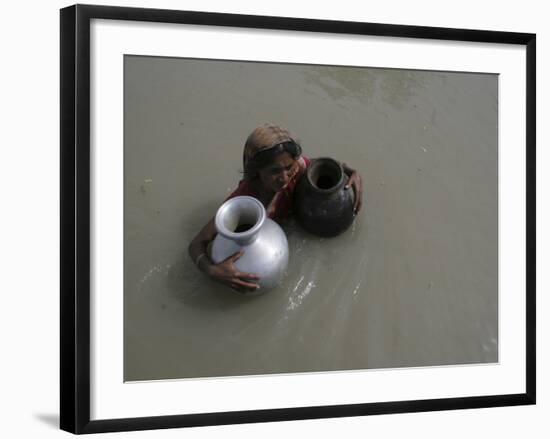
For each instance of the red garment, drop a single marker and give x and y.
(281, 204)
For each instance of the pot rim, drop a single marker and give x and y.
(317, 162)
(247, 234)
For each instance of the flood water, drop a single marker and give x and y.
(414, 280)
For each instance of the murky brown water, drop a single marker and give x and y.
(412, 283)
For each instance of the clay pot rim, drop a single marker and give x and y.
(247, 234)
(320, 160)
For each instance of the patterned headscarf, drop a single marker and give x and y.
(264, 137)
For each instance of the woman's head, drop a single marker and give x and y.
(276, 166)
(269, 153)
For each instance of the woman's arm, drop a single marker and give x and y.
(198, 246)
(356, 182)
(224, 272)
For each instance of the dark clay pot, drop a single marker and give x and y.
(321, 204)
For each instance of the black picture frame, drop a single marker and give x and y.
(75, 217)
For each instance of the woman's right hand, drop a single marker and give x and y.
(226, 273)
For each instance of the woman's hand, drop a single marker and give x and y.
(356, 182)
(226, 273)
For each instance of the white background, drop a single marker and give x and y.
(30, 183)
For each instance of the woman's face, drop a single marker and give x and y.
(277, 175)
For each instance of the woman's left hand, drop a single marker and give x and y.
(356, 182)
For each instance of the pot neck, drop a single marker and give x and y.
(326, 176)
(240, 219)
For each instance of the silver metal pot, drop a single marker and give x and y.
(242, 223)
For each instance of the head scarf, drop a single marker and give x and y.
(264, 137)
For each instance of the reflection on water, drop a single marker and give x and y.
(393, 87)
(413, 282)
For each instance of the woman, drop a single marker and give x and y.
(273, 164)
